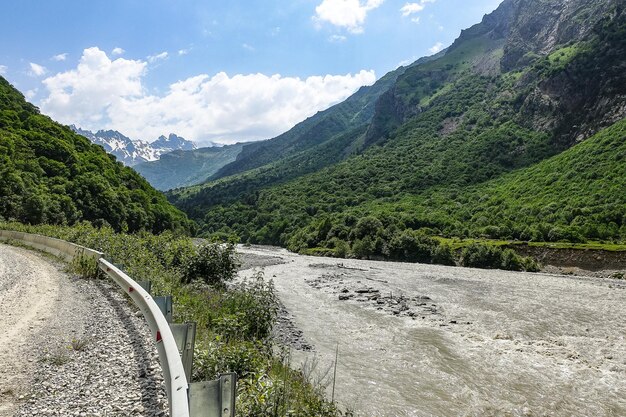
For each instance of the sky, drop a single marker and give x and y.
(213, 71)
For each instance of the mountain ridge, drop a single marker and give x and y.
(132, 152)
(507, 95)
(180, 168)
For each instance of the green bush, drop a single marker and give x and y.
(479, 255)
(85, 266)
(222, 356)
(253, 306)
(214, 263)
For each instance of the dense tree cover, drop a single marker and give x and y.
(48, 174)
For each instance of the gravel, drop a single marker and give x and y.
(86, 352)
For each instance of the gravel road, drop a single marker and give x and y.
(422, 340)
(71, 347)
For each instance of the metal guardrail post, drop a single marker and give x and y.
(164, 303)
(213, 398)
(146, 285)
(185, 336)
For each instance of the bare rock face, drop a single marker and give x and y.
(538, 26)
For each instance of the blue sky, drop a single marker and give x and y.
(213, 71)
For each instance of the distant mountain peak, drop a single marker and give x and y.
(131, 152)
(174, 142)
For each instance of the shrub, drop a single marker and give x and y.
(251, 307)
(443, 255)
(412, 246)
(214, 263)
(85, 266)
(479, 255)
(222, 356)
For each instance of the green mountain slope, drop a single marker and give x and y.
(351, 114)
(448, 125)
(185, 168)
(48, 174)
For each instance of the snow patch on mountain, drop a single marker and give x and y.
(132, 152)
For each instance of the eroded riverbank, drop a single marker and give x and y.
(418, 340)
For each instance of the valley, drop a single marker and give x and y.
(452, 227)
(418, 340)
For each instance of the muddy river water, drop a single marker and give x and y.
(427, 340)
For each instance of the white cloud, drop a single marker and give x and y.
(348, 14)
(436, 48)
(30, 94)
(154, 58)
(60, 57)
(248, 47)
(3, 69)
(117, 51)
(105, 94)
(337, 38)
(411, 8)
(85, 94)
(36, 70)
(184, 51)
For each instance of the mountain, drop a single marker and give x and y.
(182, 168)
(436, 146)
(49, 174)
(331, 125)
(131, 152)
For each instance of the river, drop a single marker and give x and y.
(429, 340)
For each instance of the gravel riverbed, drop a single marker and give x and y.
(75, 347)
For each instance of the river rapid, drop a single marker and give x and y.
(429, 340)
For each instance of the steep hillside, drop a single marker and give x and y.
(48, 174)
(479, 111)
(352, 114)
(185, 168)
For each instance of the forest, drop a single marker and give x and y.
(48, 174)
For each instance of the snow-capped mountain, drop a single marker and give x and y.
(131, 152)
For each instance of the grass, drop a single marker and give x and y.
(457, 244)
(58, 358)
(78, 345)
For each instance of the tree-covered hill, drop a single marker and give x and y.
(48, 174)
(531, 81)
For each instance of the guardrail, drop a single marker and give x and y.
(174, 341)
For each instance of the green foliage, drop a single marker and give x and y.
(220, 356)
(85, 266)
(48, 174)
(479, 255)
(213, 263)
